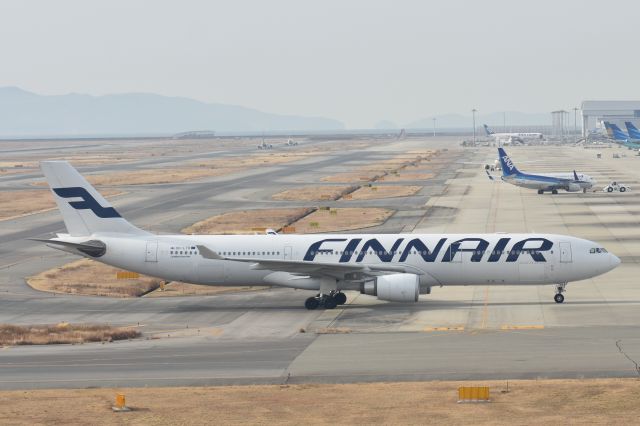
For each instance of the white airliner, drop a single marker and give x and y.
(392, 267)
(512, 137)
(550, 182)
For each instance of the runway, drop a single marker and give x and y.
(268, 337)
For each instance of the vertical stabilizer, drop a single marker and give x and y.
(618, 134)
(508, 168)
(83, 209)
(633, 130)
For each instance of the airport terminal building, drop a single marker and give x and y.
(594, 113)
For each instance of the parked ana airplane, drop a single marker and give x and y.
(392, 267)
(512, 137)
(570, 182)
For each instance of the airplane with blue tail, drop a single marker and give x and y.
(634, 133)
(543, 182)
(618, 135)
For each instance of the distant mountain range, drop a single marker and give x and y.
(26, 114)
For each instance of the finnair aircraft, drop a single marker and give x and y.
(391, 267)
(512, 137)
(550, 182)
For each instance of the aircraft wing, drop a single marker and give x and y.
(301, 267)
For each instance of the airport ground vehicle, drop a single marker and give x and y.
(616, 187)
(392, 267)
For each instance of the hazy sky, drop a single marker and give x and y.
(356, 61)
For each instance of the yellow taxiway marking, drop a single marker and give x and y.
(522, 327)
(459, 328)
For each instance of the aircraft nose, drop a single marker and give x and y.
(614, 260)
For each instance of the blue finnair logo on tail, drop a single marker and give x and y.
(88, 202)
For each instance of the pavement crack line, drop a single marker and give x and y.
(621, 350)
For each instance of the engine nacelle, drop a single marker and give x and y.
(574, 187)
(394, 287)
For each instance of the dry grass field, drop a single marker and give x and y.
(354, 177)
(341, 219)
(247, 221)
(156, 176)
(19, 203)
(63, 333)
(184, 289)
(407, 175)
(314, 193)
(88, 277)
(528, 402)
(384, 191)
(255, 160)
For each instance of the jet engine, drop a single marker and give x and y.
(574, 187)
(393, 287)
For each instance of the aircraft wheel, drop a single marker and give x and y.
(622, 189)
(609, 189)
(340, 298)
(311, 303)
(554, 192)
(559, 298)
(330, 303)
(540, 191)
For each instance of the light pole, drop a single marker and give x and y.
(575, 122)
(474, 125)
(434, 127)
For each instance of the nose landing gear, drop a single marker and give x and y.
(328, 301)
(559, 298)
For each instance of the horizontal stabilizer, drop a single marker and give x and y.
(93, 248)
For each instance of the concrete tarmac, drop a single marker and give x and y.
(268, 337)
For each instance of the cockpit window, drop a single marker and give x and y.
(598, 250)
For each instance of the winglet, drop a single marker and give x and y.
(209, 254)
(575, 176)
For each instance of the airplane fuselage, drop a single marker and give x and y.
(437, 259)
(550, 181)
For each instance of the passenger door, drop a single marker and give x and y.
(287, 254)
(565, 252)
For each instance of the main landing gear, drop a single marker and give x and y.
(553, 191)
(329, 301)
(559, 298)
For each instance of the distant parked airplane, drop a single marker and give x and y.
(551, 182)
(616, 133)
(633, 130)
(512, 137)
